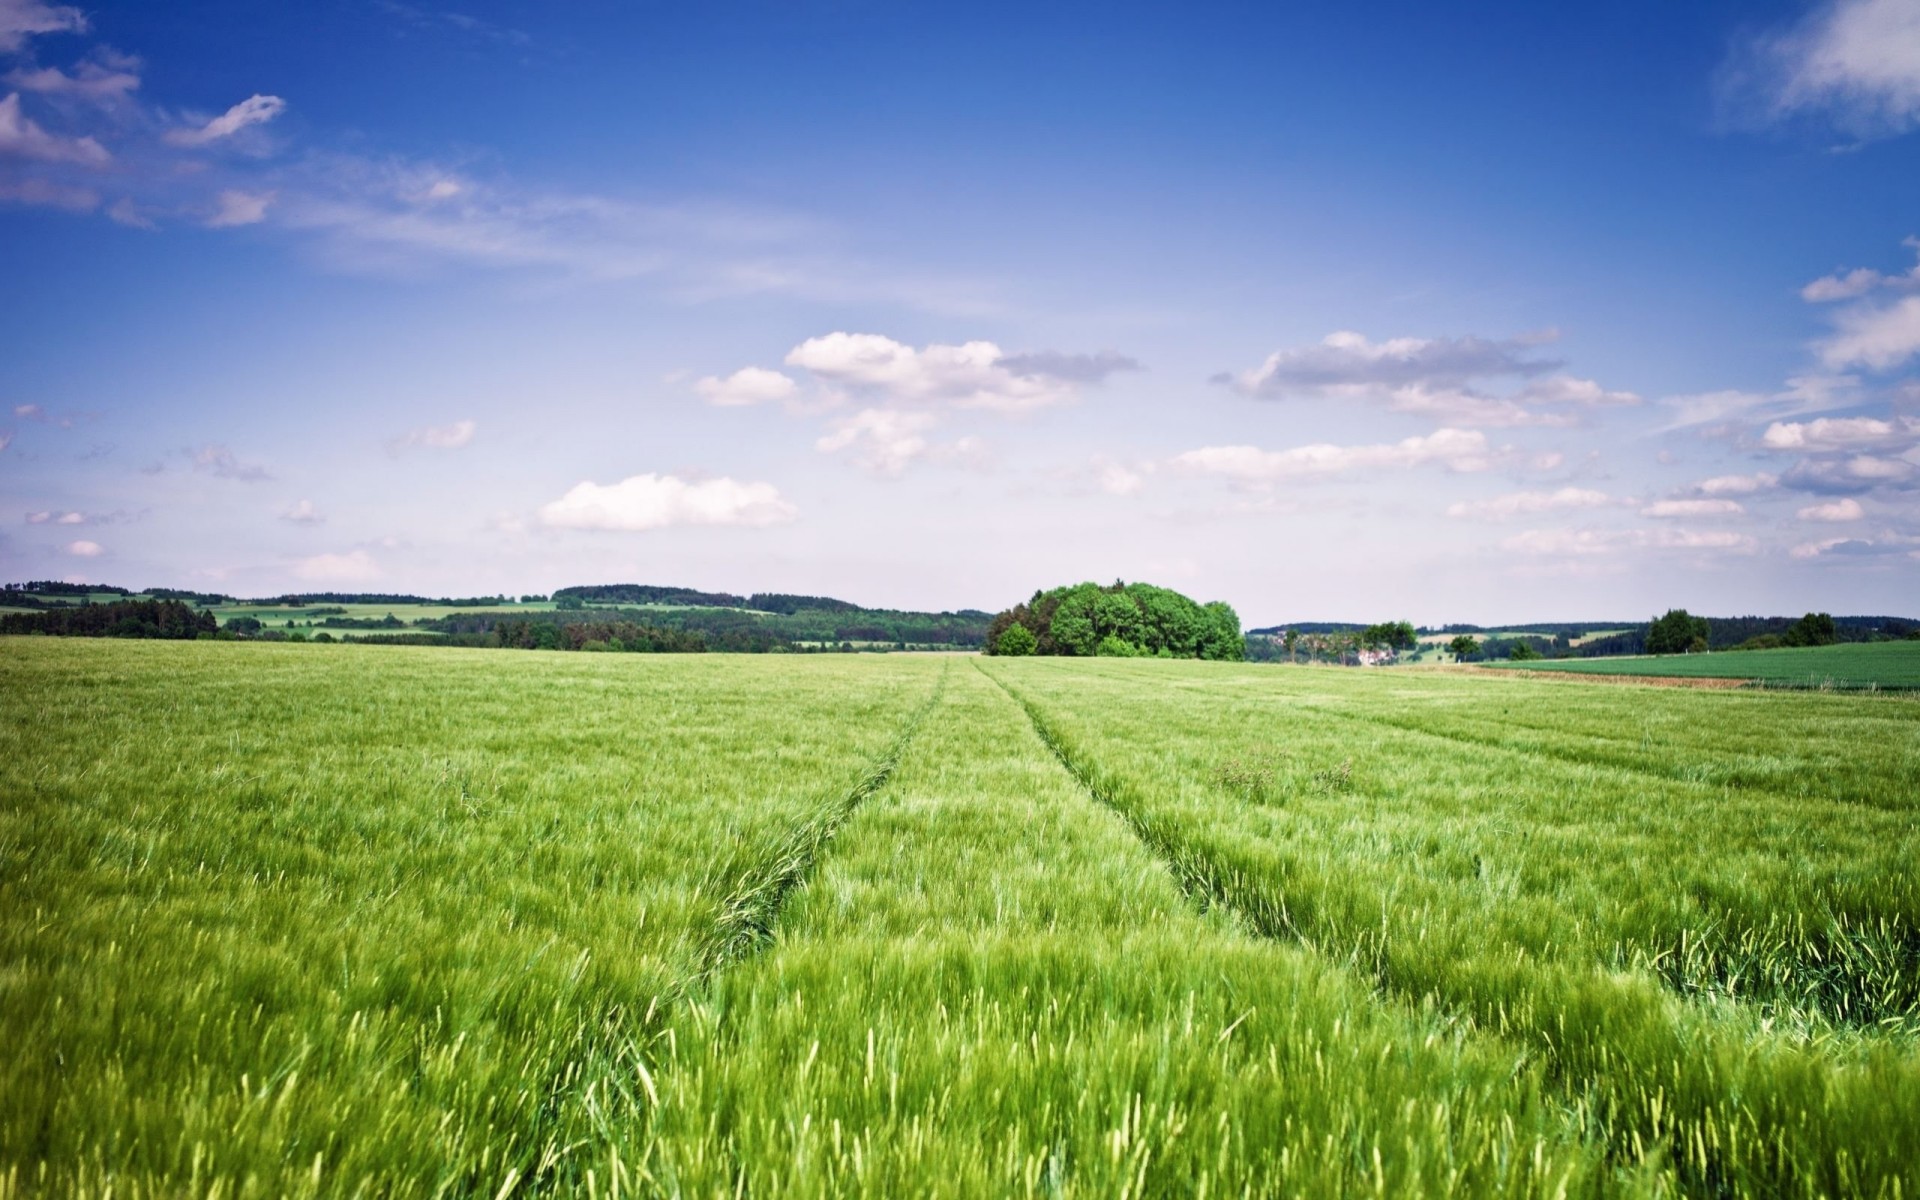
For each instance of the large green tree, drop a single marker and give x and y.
(1678, 632)
(1122, 619)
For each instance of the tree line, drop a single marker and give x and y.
(118, 618)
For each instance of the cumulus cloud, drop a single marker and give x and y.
(1692, 508)
(436, 437)
(1850, 473)
(748, 385)
(23, 19)
(1431, 377)
(1876, 336)
(85, 549)
(1839, 433)
(1735, 485)
(1853, 62)
(1834, 510)
(969, 375)
(643, 502)
(22, 137)
(884, 440)
(254, 110)
(1456, 449)
(235, 208)
(303, 513)
(1514, 504)
(221, 463)
(355, 566)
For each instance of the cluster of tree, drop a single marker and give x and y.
(1678, 632)
(629, 636)
(118, 618)
(1124, 620)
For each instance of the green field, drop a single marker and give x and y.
(310, 920)
(1853, 665)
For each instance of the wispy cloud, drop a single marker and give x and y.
(455, 436)
(220, 462)
(1853, 63)
(22, 137)
(254, 110)
(302, 512)
(1440, 378)
(1515, 504)
(646, 502)
(355, 566)
(23, 19)
(1459, 450)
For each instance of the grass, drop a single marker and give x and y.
(1853, 665)
(342, 920)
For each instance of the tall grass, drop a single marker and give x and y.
(1536, 899)
(354, 920)
(302, 920)
(991, 988)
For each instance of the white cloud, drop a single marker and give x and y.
(748, 385)
(1856, 61)
(220, 462)
(1836, 433)
(1833, 287)
(70, 518)
(1501, 508)
(356, 566)
(238, 208)
(1854, 473)
(254, 110)
(103, 79)
(884, 440)
(6, 439)
(1735, 485)
(1692, 508)
(1589, 542)
(1455, 449)
(45, 193)
(969, 375)
(1116, 479)
(303, 513)
(22, 137)
(649, 501)
(1703, 407)
(436, 437)
(84, 549)
(1430, 377)
(1879, 337)
(1847, 509)
(22, 19)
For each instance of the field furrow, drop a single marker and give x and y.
(1520, 897)
(387, 921)
(989, 987)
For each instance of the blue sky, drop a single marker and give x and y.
(1488, 313)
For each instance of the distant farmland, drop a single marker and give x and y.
(1853, 665)
(283, 919)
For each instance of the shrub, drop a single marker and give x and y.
(1017, 642)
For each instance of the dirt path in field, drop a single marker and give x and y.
(1702, 683)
